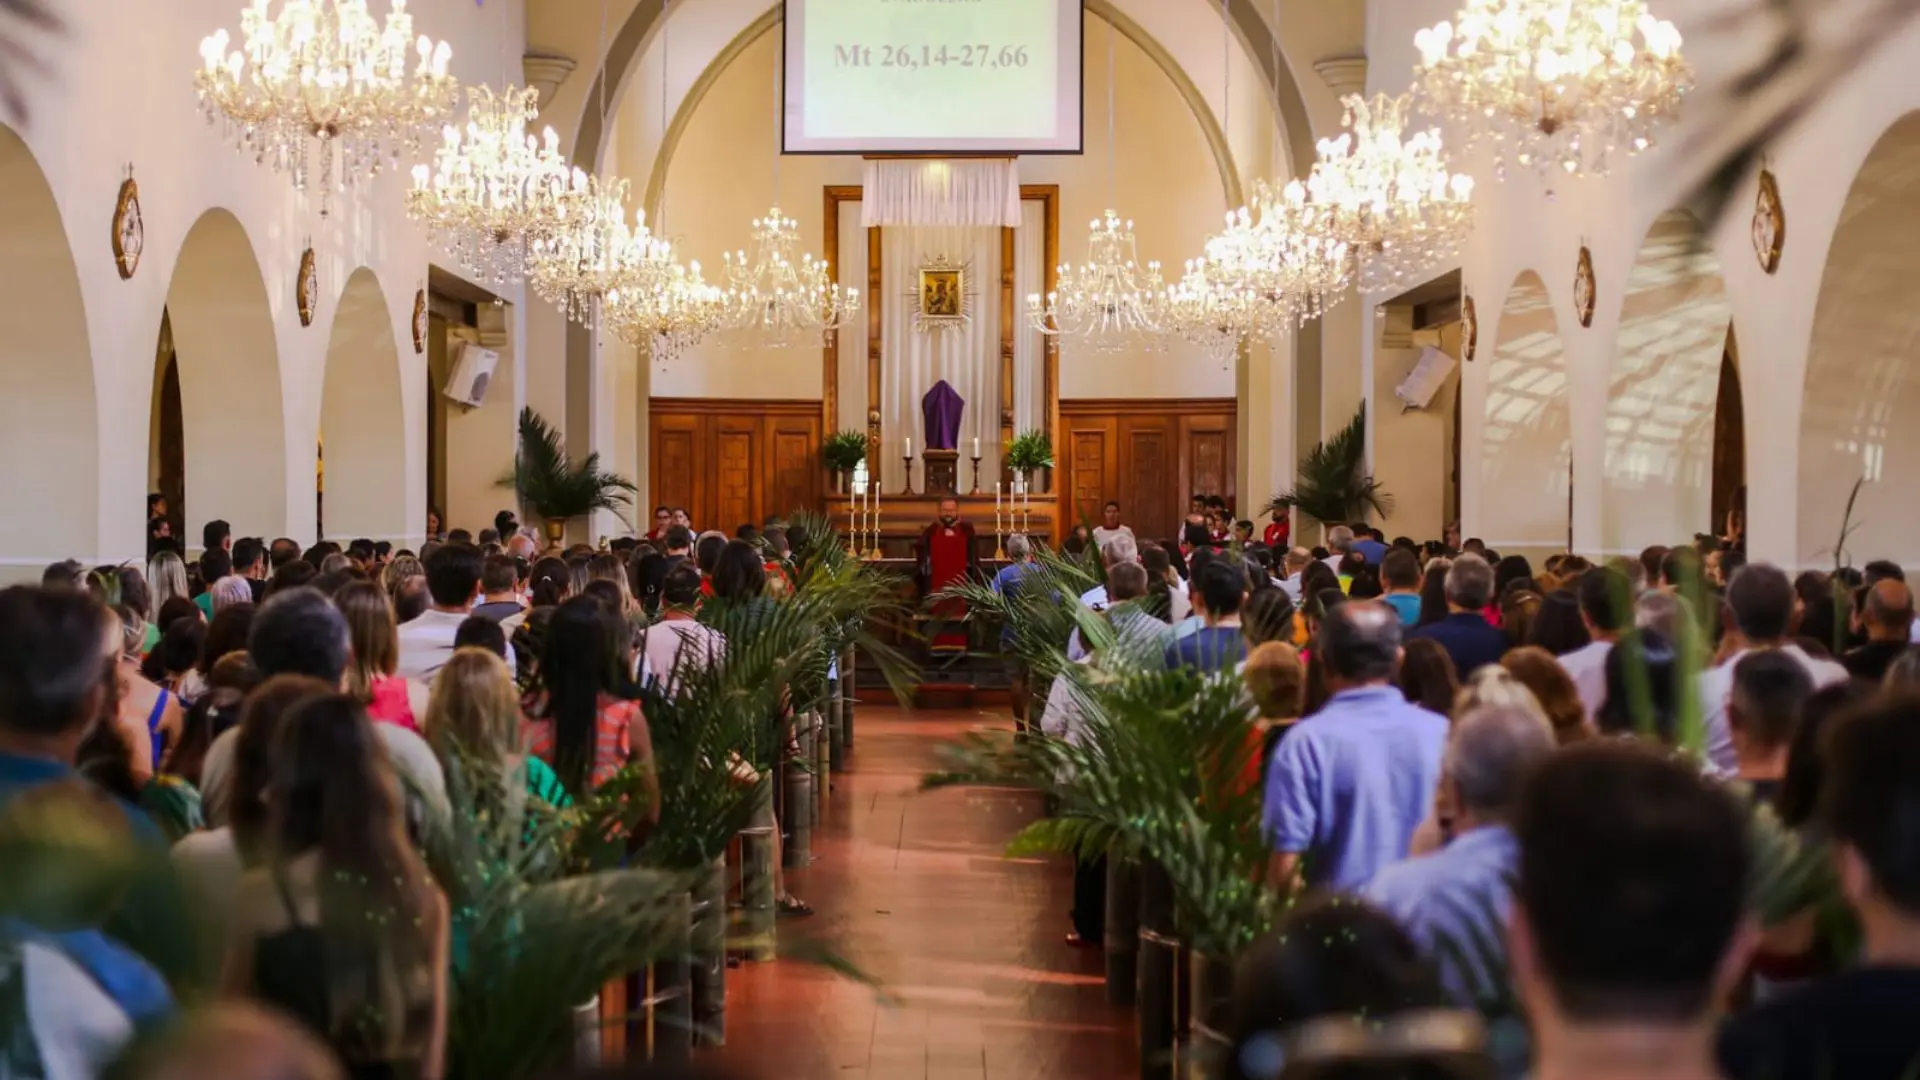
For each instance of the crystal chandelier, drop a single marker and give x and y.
(492, 189)
(325, 71)
(1554, 83)
(667, 307)
(590, 250)
(1279, 251)
(1391, 201)
(1206, 310)
(1108, 302)
(780, 294)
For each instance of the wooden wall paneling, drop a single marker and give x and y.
(738, 479)
(1090, 460)
(1148, 459)
(674, 458)
(1207, 457)
(1148, 454)
(730, 461)
(792, 465)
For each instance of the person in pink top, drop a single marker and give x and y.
(375, 637)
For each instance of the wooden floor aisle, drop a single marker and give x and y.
(969, 946)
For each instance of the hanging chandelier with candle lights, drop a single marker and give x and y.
(326, 72)
(1553, 85)
(779, 295)
(493, 186)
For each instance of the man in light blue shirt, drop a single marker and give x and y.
(1461, 893)
(1349, 784)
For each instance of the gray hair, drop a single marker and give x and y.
(1361, 641)
(1299, 557)
(1018, 547)
(1661, 612)
(228, 591)
(1490, 753)
(1470, 582)
(1340, 538)
(1120, 549)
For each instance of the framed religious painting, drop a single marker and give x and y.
(1469, 330)
(1769, 223)
(129, 228)
(1585, 289)
(307, 287)
(943, 298)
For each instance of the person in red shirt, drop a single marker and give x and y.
(662, 517)
(1279, 533)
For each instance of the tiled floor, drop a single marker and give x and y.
(969, 947)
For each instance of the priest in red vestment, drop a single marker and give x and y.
(947, 554)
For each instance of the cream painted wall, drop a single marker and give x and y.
(1524, 427)
(118, 90)
(1520, 229)
(1412, 448)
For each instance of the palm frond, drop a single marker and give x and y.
(1332, 484)
(554, 486)
(1041, 614)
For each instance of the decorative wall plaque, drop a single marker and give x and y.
(420, 321)
(1469, 329)
(1585, 290)
(129, 228)
(307, 287)
(1769, 223)
(944, 298)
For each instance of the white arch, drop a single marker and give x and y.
(1860, 415)
(1526, 431)
(362, 428)
(1657, 476)
(49, 444)
(234, 419)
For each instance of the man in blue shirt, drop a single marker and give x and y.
(1368, 543)
(1007, 584)
(1219, 588)
(1465, 633)
(1400, 573)
(1461, 893)
(1349, 784)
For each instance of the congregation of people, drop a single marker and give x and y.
(285, 721)
(1462, 748)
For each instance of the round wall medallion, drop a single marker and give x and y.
(420, 321)
(1769, 224)
(308, 284)
(129, 229)
(1469, 330)
(1585, 291)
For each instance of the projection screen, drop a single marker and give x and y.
(932, 77)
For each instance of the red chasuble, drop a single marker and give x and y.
(947, 554)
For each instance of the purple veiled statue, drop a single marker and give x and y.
(941, 410)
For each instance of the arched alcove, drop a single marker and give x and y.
(1526, 432)
(1860, 415)
(1657, 477)
(362, 427)
(232, 418)
(49, 435)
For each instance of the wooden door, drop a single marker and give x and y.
(1091, 465)
(733, 462)
(736, 478)
(1149, 468)
(1150, 456)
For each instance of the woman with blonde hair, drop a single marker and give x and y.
(1537, 670)
(475, 710)
(375, 638)
(1491, 686)
(400, 570)
(166, 579)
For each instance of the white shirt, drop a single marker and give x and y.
(1587, 667)
(426, 643)
(1102, 534)
(1716, 686)
(1291, 586)
(663, 644)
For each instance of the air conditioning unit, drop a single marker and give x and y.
(1425, 380)
(472, 371)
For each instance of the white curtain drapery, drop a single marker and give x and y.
(851, 411)
(983, 192)
(967, 357)
(1029, 344)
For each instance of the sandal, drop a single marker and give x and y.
(792, 907)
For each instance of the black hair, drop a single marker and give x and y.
(1799, 798)
(1427, 677)
(739, 572)
(1604, 598)
(1195, 536)
(549, 581)
(1222, 586)
(1633, 877)
(706, 551)
(1268, 616)
(52, 671)
(283, 550)
(681, 587)
(1770, 688)
(679, 538)
(1433, 597)
(1557, 626)
(1871, 799)
(1645, 655)
(299, 632)
(483, 633)
(459, 536)
(409, 599)
(214, 534)
(247, 551)
(577, 666)
(498, 573)
(215, 563)
(1400, 569)
(227, 633)
(1880, 570)
(453, 573)
(1761, 598)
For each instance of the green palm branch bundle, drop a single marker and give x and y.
(533, 939)
(1042, 613)
(1155, 764)
(1333, 484)
(550, 483)
(851, 602)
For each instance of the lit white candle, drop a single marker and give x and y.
(976, 446)
(906, 447)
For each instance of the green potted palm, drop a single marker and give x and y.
(557, 488)
(1029, 452)
(1333, 485)
(843, 452)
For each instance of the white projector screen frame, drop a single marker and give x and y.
(1068, 135)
